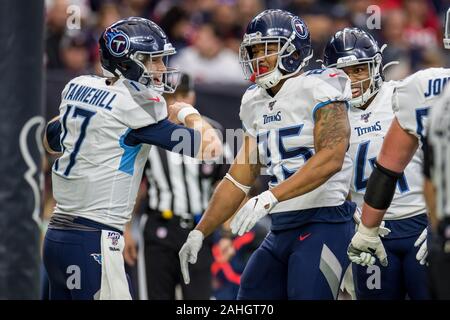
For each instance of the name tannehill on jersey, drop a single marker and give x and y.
(95, 179)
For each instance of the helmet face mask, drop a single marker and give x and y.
(165, 79)
(276, 31)
(253, 71)
(374, 79)
(129, 49)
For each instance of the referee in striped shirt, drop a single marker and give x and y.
(178, 189)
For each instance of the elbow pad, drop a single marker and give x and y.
(381, 187)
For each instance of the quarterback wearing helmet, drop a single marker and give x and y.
(104, 132)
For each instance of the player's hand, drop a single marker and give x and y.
(189, 252)
(365, 246)
(382, 231)
(129, 251)
(173, 110)
(422, 253)
(253, 210)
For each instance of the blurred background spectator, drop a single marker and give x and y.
(208, 60)
(207, 33)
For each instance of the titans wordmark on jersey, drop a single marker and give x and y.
(283, 126)
(369, 127)
(414, 96)
(98, 175)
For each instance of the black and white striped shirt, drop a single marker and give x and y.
(179, 183)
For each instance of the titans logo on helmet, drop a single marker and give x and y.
(300, 28)
(117, 42)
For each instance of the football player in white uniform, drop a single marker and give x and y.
(411, 101)
(436, 170)
(298, 124)
(105, 129)
(357, 53)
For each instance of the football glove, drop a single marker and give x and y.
(365, 246)
(189, 252)
(253, 210)
(422, 253)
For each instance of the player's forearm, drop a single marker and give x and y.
(371, 217)
(228, 197)
(211, 145)
(223, 204)
(320, 168)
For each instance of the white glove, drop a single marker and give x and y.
(382, 231)
(189, 251)
(365, 245)
(423, 250)
(253, 210)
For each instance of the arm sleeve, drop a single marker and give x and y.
(53, 133)
(427, 159)
(167, 135)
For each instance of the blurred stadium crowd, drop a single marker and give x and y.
(207, 34)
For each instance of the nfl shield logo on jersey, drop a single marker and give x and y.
(271, 103)
(365, 117)
(114, 237)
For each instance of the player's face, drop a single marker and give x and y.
(266, 57)
(154, 65)
(358, 73)
(157, 67)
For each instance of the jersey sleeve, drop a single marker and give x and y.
(139, 106)
(328, 86)
(406, 100)
(246, 114)
(415, 95)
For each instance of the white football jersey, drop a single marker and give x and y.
(415, 95)
(369, 127)
(439, 140)
(98, 175)
(283, 126)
